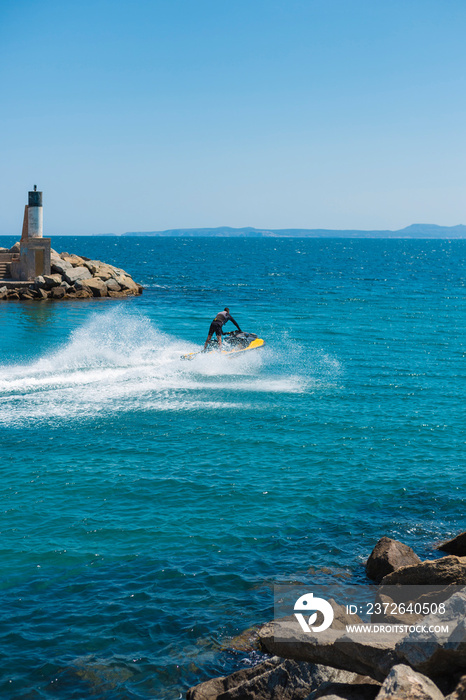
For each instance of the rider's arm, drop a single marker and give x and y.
(230, 318)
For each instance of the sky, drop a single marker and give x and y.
(140, 115)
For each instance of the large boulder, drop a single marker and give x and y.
(60, 266)
(403, 683)
(58, 292)
(26, 294)
(74, 260)
(105, 272)
(92, 265)
(368, 654)
(3, 292)
(387, 556)
(456, 546)
(126, 282)
(15, 248)
(52, 280)
(438, 647)
(278, 679)
(112, 285)
(96, 286)
(449, 569)
(39, 282)
(76, 273)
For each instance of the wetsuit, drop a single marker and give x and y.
(219, 321)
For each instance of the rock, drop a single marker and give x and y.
(403, 683)
(60, 266)
(3, 292)
(105, 271)
(25, 294)
(65, 285)
(112, 285)
(92, 265)
(276, 679)
(96, 286)
(15, 248)
(460, 691)
(368, 654)
(58, 293)
(456, 546)
(74, 260)
(127, 282)
(81, 293)
(41, 294)
(39, 282)
(438, 649)
(449, 569)
(52, 280)
(103, 275)
(76, 273)
(387, 556)
(12, 294)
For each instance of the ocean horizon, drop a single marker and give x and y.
(149, 505)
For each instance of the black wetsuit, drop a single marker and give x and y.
(219, 321)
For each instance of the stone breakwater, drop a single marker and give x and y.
(414, 663)
(72, 277)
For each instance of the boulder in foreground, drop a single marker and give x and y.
(278, 679)
(370, 655)
(449, 569)
(456, 546)
(387, 556)
(403, 683)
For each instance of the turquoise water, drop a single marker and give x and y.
(149, 504)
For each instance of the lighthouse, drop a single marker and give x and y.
(34, 252)
(35, 214)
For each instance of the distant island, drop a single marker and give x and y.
(414, 231)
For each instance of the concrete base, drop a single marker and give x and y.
(34, 259)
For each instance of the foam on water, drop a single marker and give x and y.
(121, 362)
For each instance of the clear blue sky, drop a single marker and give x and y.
(155, 114)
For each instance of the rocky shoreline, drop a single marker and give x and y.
(338, 665)
(72, 277)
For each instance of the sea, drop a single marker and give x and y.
(149, 505)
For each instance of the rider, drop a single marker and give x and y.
(216, 326)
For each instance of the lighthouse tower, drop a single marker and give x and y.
(34, 253)
(35, 214)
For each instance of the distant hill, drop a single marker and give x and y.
(413, 231)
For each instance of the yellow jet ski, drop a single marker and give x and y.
(233, 344)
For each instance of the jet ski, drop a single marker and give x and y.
(233, 344)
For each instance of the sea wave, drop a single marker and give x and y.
(120, 362)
